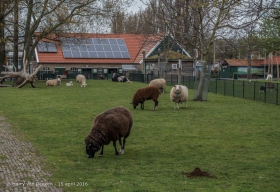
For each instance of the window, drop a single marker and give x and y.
(46, 68)
(174, 66)
(73, 69)
(10, 63)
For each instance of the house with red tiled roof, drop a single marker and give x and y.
(98, 55)
(259, 67)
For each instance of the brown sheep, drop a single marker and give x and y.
(271, 86)
(110, 125)
(146, 93)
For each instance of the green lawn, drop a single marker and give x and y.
(235, 139)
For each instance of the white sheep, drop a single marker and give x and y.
(159, 83)
(81, 79)
(69, 84)
(179, 94)
(53, 82)
(269, 77)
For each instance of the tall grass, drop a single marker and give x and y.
(237, 140)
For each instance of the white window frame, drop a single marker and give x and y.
(174, 66)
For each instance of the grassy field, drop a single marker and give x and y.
(235, 139)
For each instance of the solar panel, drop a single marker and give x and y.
(92, 54)
(47, 47)
(95, 48)
(113, 41)
(109, 54)
(84, 54)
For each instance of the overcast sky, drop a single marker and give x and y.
(136, 5)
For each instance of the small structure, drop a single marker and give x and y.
(259, 67)
(159, 65)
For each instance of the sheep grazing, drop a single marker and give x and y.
(81, 79)
(179, 94)
(146, 93)
(269, 77)
(53, 82)
(271, 86)
(110, 125)
(69, 84)
(159, 83)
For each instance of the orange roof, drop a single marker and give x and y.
(275, 60)
(135, 43)
(244, 62)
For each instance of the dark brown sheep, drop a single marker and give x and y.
(146, 93)
(271, 86)
(108, 126)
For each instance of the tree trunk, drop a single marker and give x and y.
(277, 66)
(201, 83)
(269, 64)
(29, 78)
(15, 56)
(249, 74)
(2, 41)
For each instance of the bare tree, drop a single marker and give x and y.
(6, 8)
(207, 20)
(43, 19)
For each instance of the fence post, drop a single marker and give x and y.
(243, 88)
(216, 86)
(265, 92)
(233, 88)
(277, 94)
(254, 90)
(224, 87)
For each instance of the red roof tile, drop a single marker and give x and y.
(135, 43)
(275, 60)
(244, 62)
(254, 62)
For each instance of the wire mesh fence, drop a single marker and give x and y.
(264, 91)
(254, 90)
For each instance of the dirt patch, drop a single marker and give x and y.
(198, 173)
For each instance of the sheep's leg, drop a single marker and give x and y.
(116, 151)
(186, 103)
(121, 148)
(123, 144)
(156, 105)
(101, 152)
(142, 105)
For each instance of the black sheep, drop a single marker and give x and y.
(146, 93)
(108, 126)
(115, 77)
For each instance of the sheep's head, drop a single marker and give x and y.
(91, 147)
(177, 89)
(135, 104)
